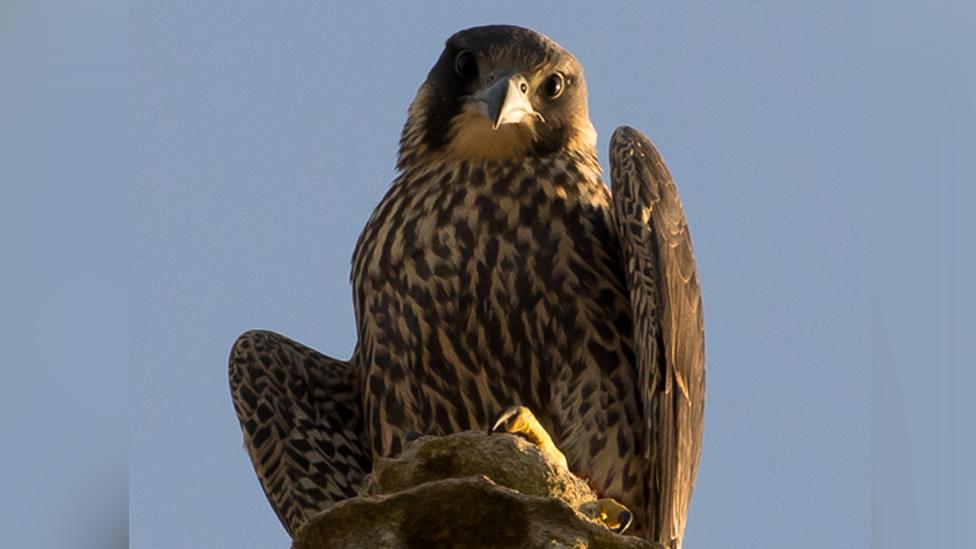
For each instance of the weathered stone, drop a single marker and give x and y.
(467, 490)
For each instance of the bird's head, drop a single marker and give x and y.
(499, 93)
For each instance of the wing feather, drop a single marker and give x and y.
(669, 328)
(301, 416)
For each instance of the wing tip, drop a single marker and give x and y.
(628, 135)
(621, 135)
(626, 138)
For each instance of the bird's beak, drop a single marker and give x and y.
(505, 100)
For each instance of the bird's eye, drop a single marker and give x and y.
(464, 65)
(554, 85)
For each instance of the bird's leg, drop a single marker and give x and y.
(611, 513)
(519, 420)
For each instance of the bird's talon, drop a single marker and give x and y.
(624, 521)
(500, 422)
(519, 420)
(613, 515)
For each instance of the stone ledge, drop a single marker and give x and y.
(466, 490)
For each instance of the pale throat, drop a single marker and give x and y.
(472, 137)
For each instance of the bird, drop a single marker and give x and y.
(500, 284)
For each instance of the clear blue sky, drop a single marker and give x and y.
(265, 136)
(172, 174)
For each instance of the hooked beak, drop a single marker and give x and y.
(505, 100)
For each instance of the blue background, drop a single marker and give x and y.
(181, 172)
(265, 136)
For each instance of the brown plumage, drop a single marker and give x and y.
(499, 270)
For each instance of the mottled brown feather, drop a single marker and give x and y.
(301, 415)
(669, 326)
(483, 283)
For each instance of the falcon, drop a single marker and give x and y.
(501, 285)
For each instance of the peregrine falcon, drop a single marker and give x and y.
(500, 284)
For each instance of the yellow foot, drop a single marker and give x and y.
(519, 420)
(611, 513)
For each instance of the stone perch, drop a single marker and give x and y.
(468, 490)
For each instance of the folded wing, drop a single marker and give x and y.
(669, 331)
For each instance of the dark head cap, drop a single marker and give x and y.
(499, 92)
